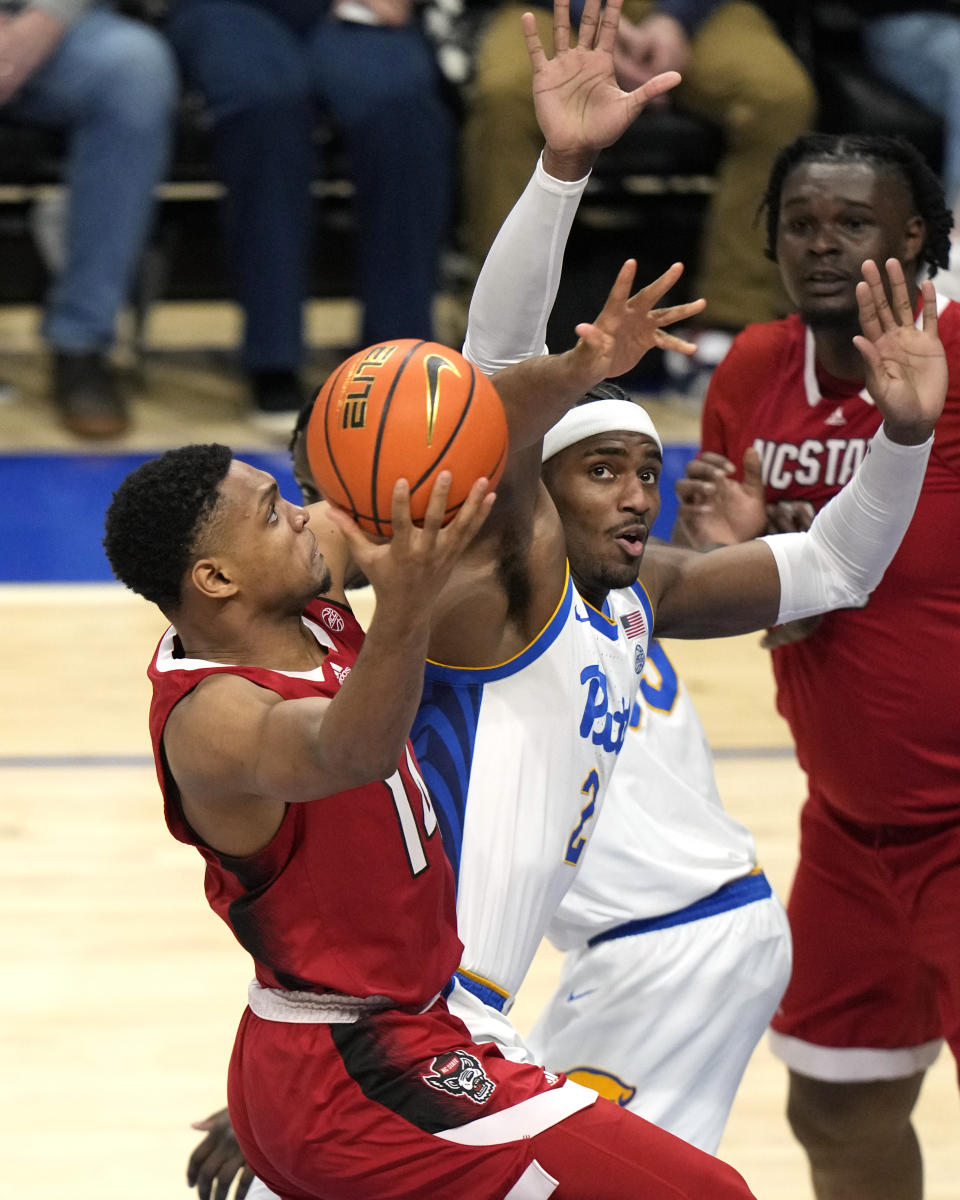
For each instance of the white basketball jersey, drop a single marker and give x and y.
(665, 840)
(517, 758)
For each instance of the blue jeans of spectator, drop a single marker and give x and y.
(112, 85)
(265, 81)
(920, 53)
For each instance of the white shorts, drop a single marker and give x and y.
(664, 1021)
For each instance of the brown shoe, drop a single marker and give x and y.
(86, 392)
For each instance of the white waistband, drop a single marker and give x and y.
(312, 1008)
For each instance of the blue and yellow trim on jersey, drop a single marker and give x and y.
(735, 894)
(484, 989)
(468, 676)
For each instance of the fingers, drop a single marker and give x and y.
(561, 26)
(752, 471)
(661, 285)
(473, 512)
(535, 50)
(609, 21)
(789, 516)
(664, 82)
(876, 312)
(589, 21)
(871, 359)
(901, 307)
(622, 285)
(206, 1124)
(792, 631)
(670, 341)
(243, 1183)
(436, 506)
(697, 491)
(695, 497)
(930, 317)
(869, 294)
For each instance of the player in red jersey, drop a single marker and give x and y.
(280, 742)
(870, 694)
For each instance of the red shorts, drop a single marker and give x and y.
(875, 914)
(400, 1106)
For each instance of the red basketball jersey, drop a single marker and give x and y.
(872, 696)
(354, 894)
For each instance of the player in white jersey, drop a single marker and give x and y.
(669, 910)
(678, 951)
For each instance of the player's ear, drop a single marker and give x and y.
(914, 235)
(212, 578)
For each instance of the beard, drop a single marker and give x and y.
(832, 318)
(325, 584)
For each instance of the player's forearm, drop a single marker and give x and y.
(366, 726)
(518, 283)
(844, 554)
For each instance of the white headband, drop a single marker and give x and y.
(598, 416)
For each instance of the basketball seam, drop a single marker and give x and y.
(379, 438)
(330, 385)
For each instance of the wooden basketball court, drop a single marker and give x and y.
(121, 990)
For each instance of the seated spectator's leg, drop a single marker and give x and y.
(112, 84)
(501, 138)
(383, 87)
(919, 52)
(252, 70)
(744, 77)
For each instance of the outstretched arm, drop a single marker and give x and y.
(843, 556)
(580, 109)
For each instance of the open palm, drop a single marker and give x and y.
(578, 101)
(906, 367)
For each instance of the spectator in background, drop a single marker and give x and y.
(917, 47)
(110, 83)
(266, 67)
(737, 71)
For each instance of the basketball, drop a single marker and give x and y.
(404, 409)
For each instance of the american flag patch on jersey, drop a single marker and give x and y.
(633, 623)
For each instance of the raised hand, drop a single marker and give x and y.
(714, 508)
(409, 569)
(906, 367)
(579, 104)
(628, 326)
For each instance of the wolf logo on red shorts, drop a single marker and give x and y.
(459, 1074)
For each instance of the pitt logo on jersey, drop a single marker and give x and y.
(602, 725)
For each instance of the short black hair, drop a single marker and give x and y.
(302, 421)
(156, 517)
(606, 389)
(894, 154)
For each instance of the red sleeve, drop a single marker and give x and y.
(735, 385)
(947, 440)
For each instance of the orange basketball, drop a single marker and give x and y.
(404, 409)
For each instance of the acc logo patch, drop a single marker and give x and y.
(459, 1074)
(609, 1086)
(332, 619)
(639, 660)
